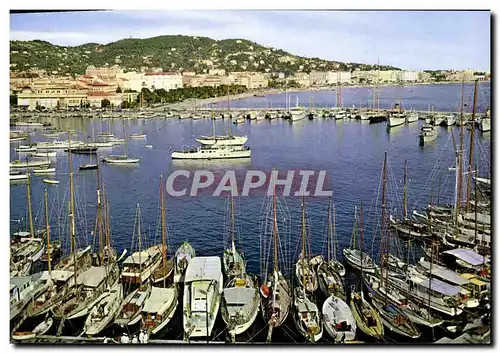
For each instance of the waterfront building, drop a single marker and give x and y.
(318, 78)
(333, 77)
(410, 76)
(301, 78)
(51, 97)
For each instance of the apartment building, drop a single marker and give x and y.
(51, 97)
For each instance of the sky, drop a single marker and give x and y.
(412, 40)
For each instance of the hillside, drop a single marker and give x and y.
(172, 53)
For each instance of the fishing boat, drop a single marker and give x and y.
(240, 303)
(167, 265)
(103, 313)
(29, 164)
(130, 311)
(305, 274)
(275, 290)
(212, 152)
(51, 181)
(183, 255)
(44, 171)
(427, 134)
(233, 259)
(338, 320)
(307, 318)
(159, 308)
(202, 296)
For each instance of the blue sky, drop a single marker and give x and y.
(415, 40)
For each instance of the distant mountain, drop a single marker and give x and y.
(172, 53)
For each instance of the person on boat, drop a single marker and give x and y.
(134, 339)
(125, 338)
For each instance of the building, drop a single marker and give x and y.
(95, 98)
(410, 76)
(364, 76)
(333, 77)
(424, 77)
(301, 78)
(163, 80)
(105, 72)
(318, 78)
(218, 72)
(389, 76)
(51, 97)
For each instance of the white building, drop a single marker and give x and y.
(410, 76)
(333, 77)
(165, 80)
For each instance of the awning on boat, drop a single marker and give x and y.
(138, 258)
(438, 286)
(203, 268)
(239, 295)
(444, 273)
(57, 275)
(158, 300)
(94, 276)
(467, 255)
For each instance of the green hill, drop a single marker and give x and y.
(172, 53)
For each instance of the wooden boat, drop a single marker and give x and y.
(240, 303)
(44, 171)
(355, 257)
(233, 259)
(307, 318)
(51, 181)
(182, 257)
(104, 311)
(338, 320)
(130, 311)
(330, 281)
(159, 309)
(394, 318)
(367, 318)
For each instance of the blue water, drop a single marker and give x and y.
(439, 97)
(351, 152)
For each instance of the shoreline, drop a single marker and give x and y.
(205, 103)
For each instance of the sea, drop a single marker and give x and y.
(350, 152)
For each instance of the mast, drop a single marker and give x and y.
(275, 231)
(163, 230)
(383, 235)
(99, 221)
(139, 237)
(72, 207)
(125, 137)
(405, 190)
(47, 228)
(361, 231)
(30, 211)
(304, 260)
(334, 234)
(233, 230)
(213, 122)
(328, 244)
(471, 146)
(459, 161)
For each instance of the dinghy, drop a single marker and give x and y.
(338, 320)
(51, 181)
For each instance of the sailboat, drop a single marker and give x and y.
(305, 274)
(307, 317)
(355, 257)
(104, 311)
(140, 265)
(165, 270)
(183, 255)
(233, 259)
(367, 318)
(275, 291)
(215, 141)
(330, 280)
(121, 159)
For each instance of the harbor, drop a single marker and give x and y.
(412, 241)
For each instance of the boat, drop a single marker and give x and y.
(13, 176)
(202, 296)
(183, 255)
(25, 148)
(130, 311)
(100, 144)
(23, 335)
(137, 136)
(427, 134)
(304, 273)
(332, 244)
(103, 313)
(275, 290)
(167, 265)
(411, 117)
(225, 152)
(448, 120)
(307, 318)
(29, 164)
(240, 303)
(397, 116)
(57, 145)
(88, 166)
(233, 259)
(394, 318)
(485, 124)
(22, 291)
(355, 257)
(51, 181)
(28, 123)
(121, 159)
(159, 309)
(17, 136)
(83, 149)
(149, 146)
(338, 320)
(44, 171)
(45, 154)
(297, 114)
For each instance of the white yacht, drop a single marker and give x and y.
(427, 134)
(57, 145)
(222, 140)
(411, 117)
(202, 294)
(225, 152)
(159, 308)
(396, 118)
(119, 159)
(139, 266)
(297, 114)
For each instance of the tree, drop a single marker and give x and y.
(105, 103)
(118, 89)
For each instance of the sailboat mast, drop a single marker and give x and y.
(72, 206)
(30, 210)
(275, 232)
(125, 137)
(163, 230)
(459, 162)
(405, 190)
(99, 219)
(361, 233)
(47, 228)
(304, 261)
(328, 244)
(382, 221)
(233, 230)
(213, 122)
(471, 146)
(139, 237)
(334, 234)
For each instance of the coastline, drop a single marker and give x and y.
(205, 103)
